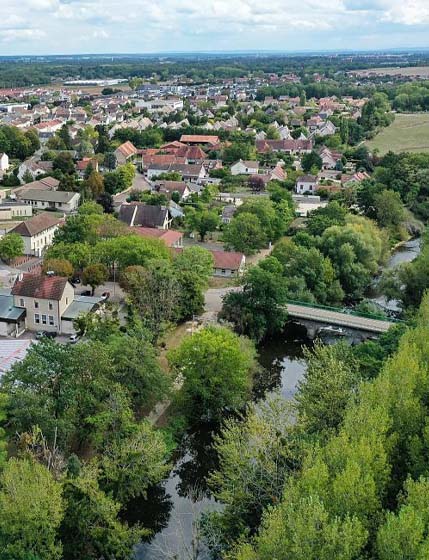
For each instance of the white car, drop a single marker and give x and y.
(73, 338)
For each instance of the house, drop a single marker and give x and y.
(288, 146)
(227, 264)
(45, 298)
(330, 158)
(4, 162)
(245, 167)
(83, 164)
(306, 184)
(10, 210)
(12, 320)
(170, 187)
(37, 232)
(207, 140)
(59, 200)
(46, 184)
(125, 152)
(193, 173)
(171, 237)
(49, 303)
(144, 215)
(227, 213)
(34, 168)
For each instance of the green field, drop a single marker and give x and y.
(407, 133)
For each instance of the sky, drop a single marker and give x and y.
(38, 27)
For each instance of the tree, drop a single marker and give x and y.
(327, 386)
(132, 464)
(217, 367)
(31, 510)
(331, 215)
(110, 160)
(89, 208)
(195, 259)
(105, 200)
(202, 221)
(260, 308)
(390, 209)
(11, 246)
(64, 135)
(245, 234)
(311, 160)
(95, 184)
(256, 455)
(61, 267)
(64, 162)
(94, 275)
(153, 292)
(256, 183)
(91, 528)
(27, 177)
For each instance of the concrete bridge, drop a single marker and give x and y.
(314, 317)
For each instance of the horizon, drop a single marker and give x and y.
(38, 27)
(398, 51)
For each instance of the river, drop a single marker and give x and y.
(171, 508)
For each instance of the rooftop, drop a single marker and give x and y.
(40, 287)
(36, 224)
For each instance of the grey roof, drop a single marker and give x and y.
(80, 304)
(50, 196)
(8, 312)
(145, 215)
(12, 351)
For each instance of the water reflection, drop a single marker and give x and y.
(186, 489)
(283, 359)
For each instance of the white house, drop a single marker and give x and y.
(37, 233)
(60, 200)
(306, 184)
(242, 167)
(4, 162)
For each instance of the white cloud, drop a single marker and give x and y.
(143, 25)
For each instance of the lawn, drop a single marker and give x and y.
(407, 133)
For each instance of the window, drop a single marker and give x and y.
(50, 306)
(36, 304)
(67, 300)
(37, 318)
(22, 302)
(44, 319)
(223, 271)
(51, 320)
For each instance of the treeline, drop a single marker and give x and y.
(331, 262)
(341, 473)
(199, 67)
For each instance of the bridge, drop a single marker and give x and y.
(312, 315)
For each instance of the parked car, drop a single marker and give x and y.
(73, 338)
(48, 334)
(75, 280)
(86, 293)
(105, 296)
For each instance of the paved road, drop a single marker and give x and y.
(336, 318)
(213, 304)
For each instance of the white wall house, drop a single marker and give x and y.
(60, 200)
(37, 233)
(306, 184)
(244, 167)
(4, 162)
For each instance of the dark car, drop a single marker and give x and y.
(48, 334)
(86, 293)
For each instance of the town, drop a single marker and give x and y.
(214, 275)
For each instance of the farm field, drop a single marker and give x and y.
(414, 71)
(407, 133)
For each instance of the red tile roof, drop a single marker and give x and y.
(127, 149)
(169, 236)
(227, 259)
(41, 287)
(199, 139)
